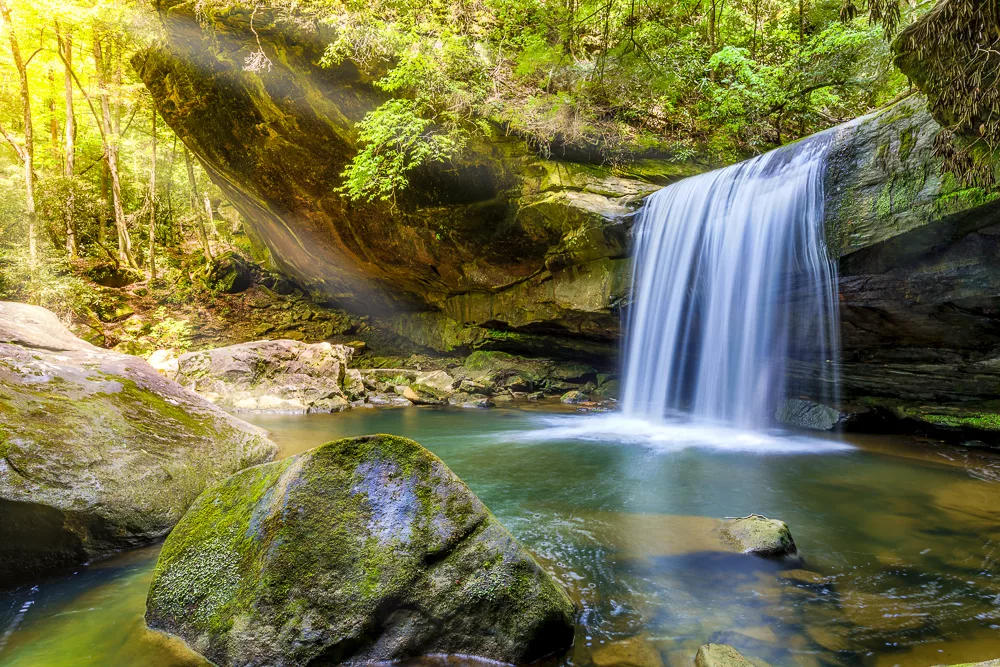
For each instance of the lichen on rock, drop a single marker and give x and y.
(362, 549)
(98, 452)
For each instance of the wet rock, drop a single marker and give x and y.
(634, 652)
(463, 400)
(270, 376)
(388, 400)
(353, 384)
(472, 387)
(98, 451)
(720, 655)
(438, 381)
(808, 414)
(229, 274)
(882, 614)
(609, 391)
(574, 397)
(363, 549)
(759, 536)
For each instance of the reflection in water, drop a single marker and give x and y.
(901, 552)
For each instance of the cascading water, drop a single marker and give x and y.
(731, 280)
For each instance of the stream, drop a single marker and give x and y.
(900, 541)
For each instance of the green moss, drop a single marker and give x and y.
(907, 141)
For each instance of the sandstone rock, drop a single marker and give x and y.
(388, 400)
(463, 400)
(353, 385)
(270, 376)
(98, 452)
(574, 397)
(759, 536)
(720, 655)
(164, 362)
(634, 652)
(363, 549)
(437, 380)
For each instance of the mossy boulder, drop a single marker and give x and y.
(230, 274)
(98, 451)
(364, 549)
(271, 376)
(109, 275)
(759, 536)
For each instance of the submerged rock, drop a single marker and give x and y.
(271, 376)
(720, 655)
(98, 452)
(759, 536)
(362, 549)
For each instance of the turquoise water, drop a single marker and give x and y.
(900, 540)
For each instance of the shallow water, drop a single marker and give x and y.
(900, 539)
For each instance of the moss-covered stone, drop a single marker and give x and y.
(758, 535)
(720, 655)
(363, 549)
(98, 452)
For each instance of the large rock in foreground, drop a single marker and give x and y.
(98, 452)
(363, 549)
(269, 376)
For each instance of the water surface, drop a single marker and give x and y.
(900, 539)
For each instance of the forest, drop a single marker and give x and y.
(454, 333)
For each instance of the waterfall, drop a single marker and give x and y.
(731, 280)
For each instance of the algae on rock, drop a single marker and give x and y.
(362, 549)
(98, 452)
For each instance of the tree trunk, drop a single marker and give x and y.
(28, 150)
(175, 234)
(69, 148)
(196, 207)
(152, 207)
(125, 254)
(711, 26)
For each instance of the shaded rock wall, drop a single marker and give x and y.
(503, 239)
(512, 251)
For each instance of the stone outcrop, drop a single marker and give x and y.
(502, 239)
(510, 251)
(98, 452)
(270, 376)
(364, 549)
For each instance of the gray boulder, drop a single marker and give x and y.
(803, 413)
(364, 549)
(758, 535)
(98, 452)
(271, 376)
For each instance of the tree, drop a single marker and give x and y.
(25, 151)
(152, 203)
(196, 207)
(65, 44)
(110, 135)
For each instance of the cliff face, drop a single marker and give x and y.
(919, 263)
(502, 240)
(512, 250)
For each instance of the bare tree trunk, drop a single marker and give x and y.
(69, 148)
(152, 207)
(711, 26)
(175, 236)
(27, 151)
(125, 254)
(196, 207)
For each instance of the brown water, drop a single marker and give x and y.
(900, 539)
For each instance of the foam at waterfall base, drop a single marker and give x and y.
(673, 433)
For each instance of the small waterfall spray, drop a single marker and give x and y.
(731, 280)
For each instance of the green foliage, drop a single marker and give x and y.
(616, 80)
(397, 139)
(168, 332)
